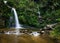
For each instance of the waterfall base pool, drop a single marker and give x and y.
(25, 38)
(4, 38)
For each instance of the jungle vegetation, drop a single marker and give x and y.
(28, 12)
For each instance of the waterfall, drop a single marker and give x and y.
(17, 25)
(39, 14)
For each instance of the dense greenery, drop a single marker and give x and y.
(56, 31)
(27, 11)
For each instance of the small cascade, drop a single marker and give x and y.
(39, 14)
(17, 25)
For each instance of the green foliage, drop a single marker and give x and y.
(56, 31)
(27, 11)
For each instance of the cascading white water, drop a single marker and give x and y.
(17, 25)
(16, 19)
(39, 14)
